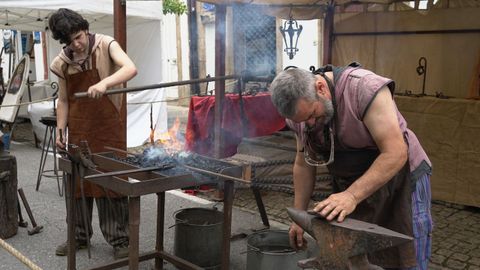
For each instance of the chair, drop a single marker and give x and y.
(49, 138)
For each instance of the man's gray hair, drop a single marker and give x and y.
(289, 86)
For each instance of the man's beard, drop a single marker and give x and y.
(329, 111)
(322, 121)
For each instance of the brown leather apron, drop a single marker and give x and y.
(95, 120)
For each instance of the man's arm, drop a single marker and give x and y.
(126, 72)
(62, 113)
(303, 183)
(303, 179)
(381, 120)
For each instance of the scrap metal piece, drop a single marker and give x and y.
(344, 245)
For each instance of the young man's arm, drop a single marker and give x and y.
(62, 113)
(382, 123)
(126, 72)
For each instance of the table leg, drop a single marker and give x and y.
(227, 223)
(70, 200)
(133, 231)
(160, 229)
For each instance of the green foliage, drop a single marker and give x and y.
(174, 7)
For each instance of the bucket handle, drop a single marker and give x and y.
(178, 223)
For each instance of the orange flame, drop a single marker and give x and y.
(169, 140)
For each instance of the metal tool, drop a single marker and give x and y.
(344, 245)
(36, 229)
(22, 223)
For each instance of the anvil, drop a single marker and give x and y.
(344, 245)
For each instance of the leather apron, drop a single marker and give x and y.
(389, 207)
(95, 120)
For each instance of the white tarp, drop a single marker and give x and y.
(144, 20)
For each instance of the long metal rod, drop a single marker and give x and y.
(216, 174)
(160, 85)
(115, 173)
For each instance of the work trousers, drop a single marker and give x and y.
(422, 222)
(113, 218)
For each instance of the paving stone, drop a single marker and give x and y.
(454, 264)
(460, 257)
(474, 261)
(437, 259)
(435, 267)
(474, 253)
(444, 252)
(445, 244)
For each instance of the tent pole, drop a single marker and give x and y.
(220, 18)
(120, 23)
(193, 45)
(328, 34)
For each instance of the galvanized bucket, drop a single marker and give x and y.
(271, 250)
(198, 236)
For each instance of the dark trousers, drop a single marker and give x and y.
(113, 217)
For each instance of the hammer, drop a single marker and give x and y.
(344, 245)
(36, 229)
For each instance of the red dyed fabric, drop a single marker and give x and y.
(261, 119)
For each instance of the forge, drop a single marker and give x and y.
(138, 175)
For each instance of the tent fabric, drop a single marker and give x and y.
(448, 130)
(451, 57)
(143, 44)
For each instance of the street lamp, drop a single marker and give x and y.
(293, 30)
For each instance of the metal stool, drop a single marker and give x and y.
(49, 138)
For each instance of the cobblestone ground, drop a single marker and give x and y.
(456, 235)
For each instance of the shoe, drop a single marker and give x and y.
(120, 252)
(62, 250)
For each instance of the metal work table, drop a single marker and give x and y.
(149, 182)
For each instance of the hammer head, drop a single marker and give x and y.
(35, 230)
(339, 242)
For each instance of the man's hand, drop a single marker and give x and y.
(297, 241)
(338, 204)
(97, 90)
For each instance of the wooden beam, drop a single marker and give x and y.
(220, 18)
(120, 23)
(328, 34)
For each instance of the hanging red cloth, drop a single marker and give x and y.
(261, 118)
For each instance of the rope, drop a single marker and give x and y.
(19, 255)
(28, 103)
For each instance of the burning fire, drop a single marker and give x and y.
(171, 141)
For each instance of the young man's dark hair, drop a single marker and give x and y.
(65, 22)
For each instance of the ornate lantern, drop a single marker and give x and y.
(293, 30)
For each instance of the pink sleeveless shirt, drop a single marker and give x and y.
(355, 90)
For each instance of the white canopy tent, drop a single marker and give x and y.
(144, 46)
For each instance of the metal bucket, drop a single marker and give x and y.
(198, 236)
(271, 250)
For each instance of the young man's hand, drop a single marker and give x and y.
(97, 90)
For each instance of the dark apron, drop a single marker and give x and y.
(95, 120)
(389, 207)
